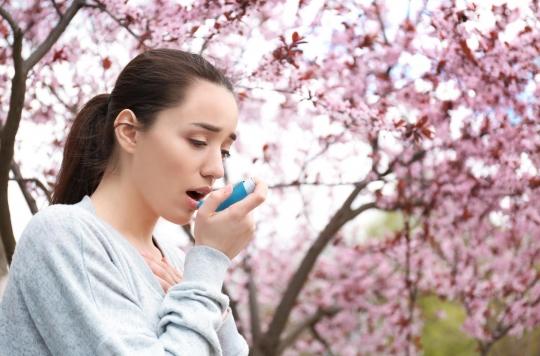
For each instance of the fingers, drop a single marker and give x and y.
(173, 270)
(214, 199)
(163, 270)
(164, 284)
(257, 197)
(159, 270)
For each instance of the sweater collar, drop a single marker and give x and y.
(86, 204)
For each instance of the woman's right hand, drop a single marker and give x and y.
(231, 229)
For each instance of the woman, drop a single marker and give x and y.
(87, 276)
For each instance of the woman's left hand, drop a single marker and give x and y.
(164, 271)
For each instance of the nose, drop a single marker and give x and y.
(213, 165)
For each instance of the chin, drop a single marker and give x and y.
(180, 219)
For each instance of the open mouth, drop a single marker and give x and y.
(194, 195)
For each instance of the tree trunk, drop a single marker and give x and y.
(16, 102)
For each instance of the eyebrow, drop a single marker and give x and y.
(212, 128)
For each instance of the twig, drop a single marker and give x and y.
(53, 36)
(307, 323)
(39, 184)
(21, 182)
(103, 8)
(319, 337)
(254, 313)
(57, 8)
(7, 16)
(424, 6)
(71, 108)
(298, 183)
(381, 23)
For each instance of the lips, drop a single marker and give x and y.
(194, 195)
(192, 203)
(199, 193)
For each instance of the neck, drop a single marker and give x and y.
(119, 203)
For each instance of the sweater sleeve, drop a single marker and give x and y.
(79, 301)
(231, 341)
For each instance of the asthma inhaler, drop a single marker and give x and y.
(240, 191)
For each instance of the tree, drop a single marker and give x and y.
(441, 104)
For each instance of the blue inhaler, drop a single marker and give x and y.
(239, 192)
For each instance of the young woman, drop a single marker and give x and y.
(88, 277)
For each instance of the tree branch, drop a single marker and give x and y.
(381, 22)
(424, 6)
(270, 341)
(7, 16)
(57, 8)
(39, 184)
(363, 208)
(253, 304)
(297, 183)
(53, 36)
(101, 6)
(24, 189)
(321, 340)
(307, 323)
(7, 141)
(71, 108)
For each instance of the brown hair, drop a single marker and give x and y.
(152, 81)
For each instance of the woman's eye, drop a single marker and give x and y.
(197, 143)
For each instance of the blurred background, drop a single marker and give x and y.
(399, 140)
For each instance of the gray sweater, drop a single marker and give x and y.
(78, 287)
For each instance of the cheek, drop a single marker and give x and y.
(160, 163)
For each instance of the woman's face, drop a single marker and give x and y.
(179, 154)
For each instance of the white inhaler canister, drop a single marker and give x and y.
(239, 192)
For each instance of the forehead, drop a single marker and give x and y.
(205, 102)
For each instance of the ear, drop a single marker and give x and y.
(125, 128)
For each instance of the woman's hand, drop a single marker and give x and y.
(164, 271)
(169, 276)
(231, 229)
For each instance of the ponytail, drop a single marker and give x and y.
(86, 153)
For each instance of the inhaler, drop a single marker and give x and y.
(239, 192)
